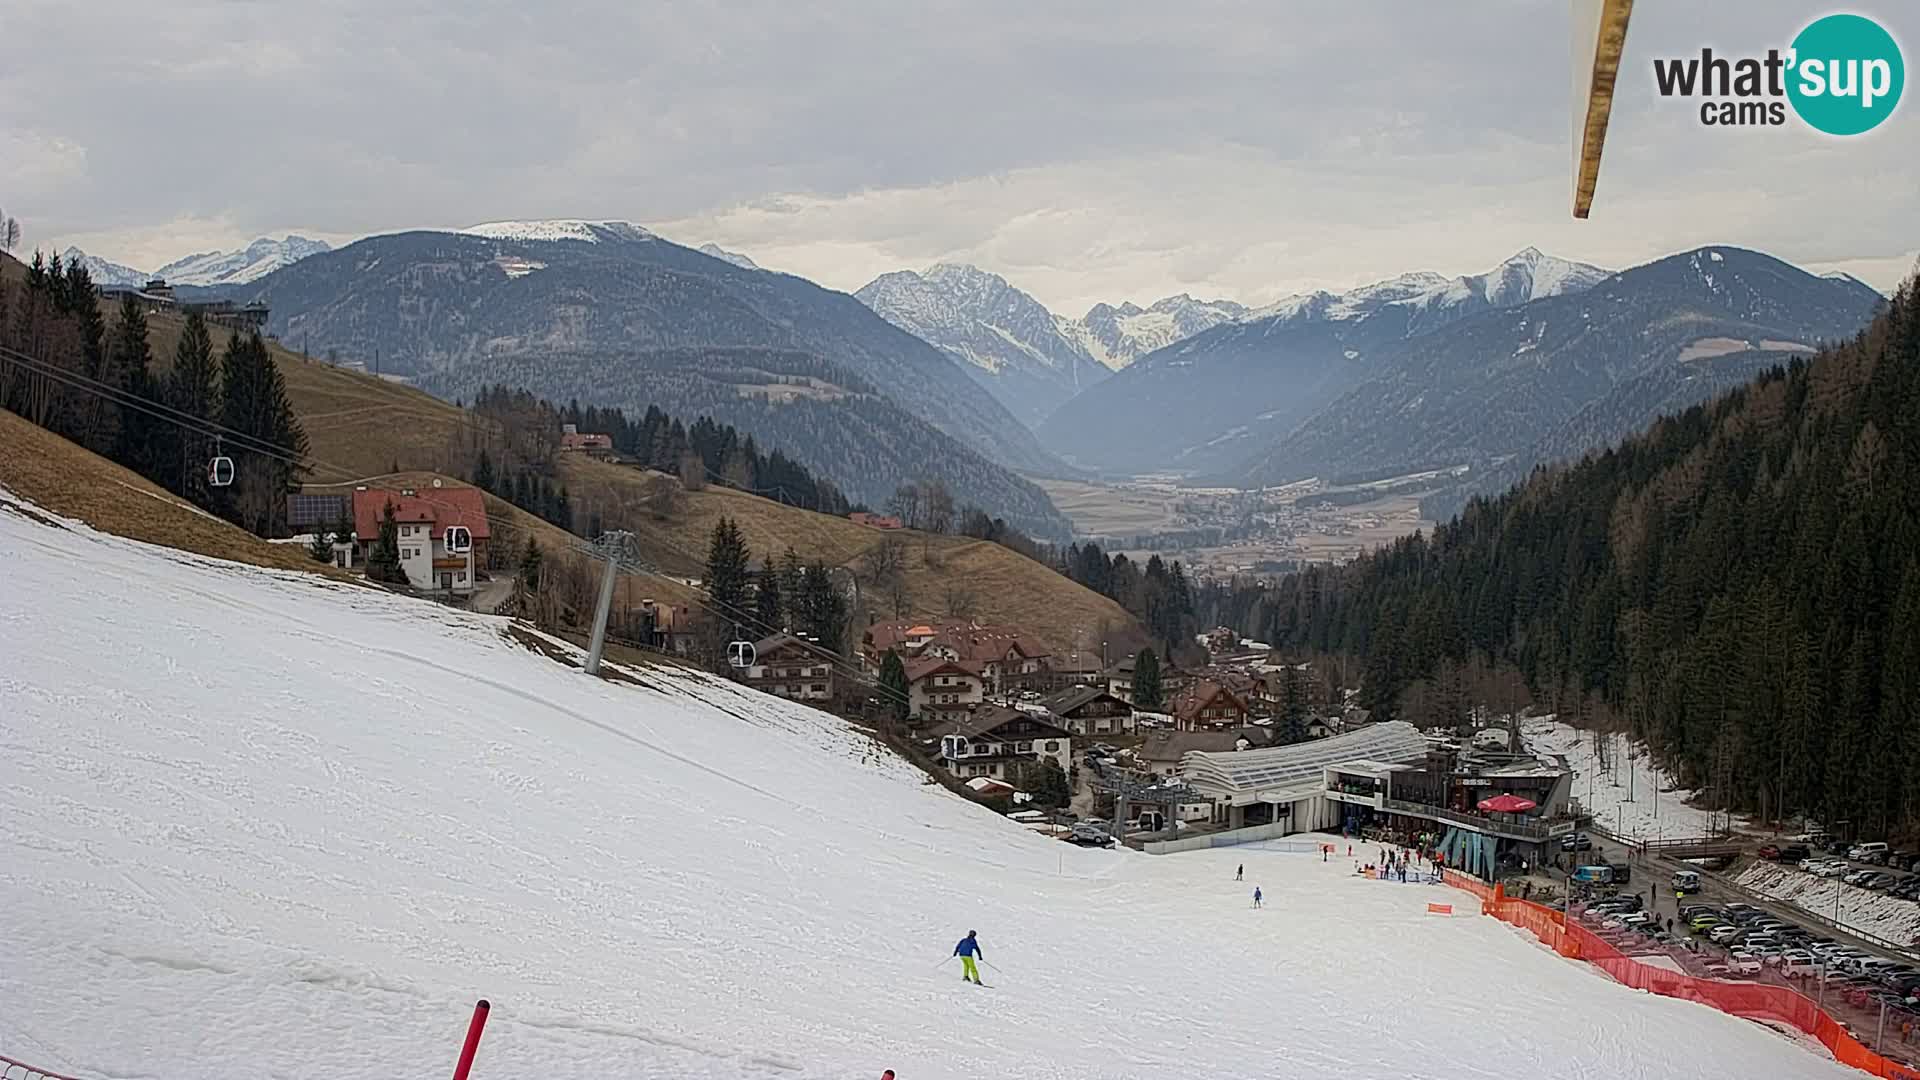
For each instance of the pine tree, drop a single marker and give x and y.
(1293, 707)
(144, 443)
(767, 606)
(823, 609)
(1147, 691)
(193, 387)
(893, 686)
(255, 404)
(320, 549)
(383, 561)
(528, 577)
(483, 471)
(790, 570)
(728, 562)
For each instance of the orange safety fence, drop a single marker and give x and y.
(1754, 1001)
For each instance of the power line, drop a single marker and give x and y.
(253, 444)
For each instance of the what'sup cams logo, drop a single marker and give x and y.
(1842, 75)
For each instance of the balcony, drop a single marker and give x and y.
(1533, 831)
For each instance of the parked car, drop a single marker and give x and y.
(1835, 868)
(1798, 964)
(1769, 852)
(1743, 963)
(1793, 853)
(1871, 852)
(1855, 877)
(1576, 842)
(1725, 933)
(1900, 860)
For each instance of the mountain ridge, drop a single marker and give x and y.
(1206, 403)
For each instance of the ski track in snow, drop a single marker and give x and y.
(262, 825)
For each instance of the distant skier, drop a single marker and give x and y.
(969, 948)
(1256, 896)
(1239, 872)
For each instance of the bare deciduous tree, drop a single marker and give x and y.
(961, 601)
(938, 500)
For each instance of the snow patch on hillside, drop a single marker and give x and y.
(1622, 796)
(1886, 917)
(263, 824)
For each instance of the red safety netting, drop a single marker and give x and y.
(1756, 1001)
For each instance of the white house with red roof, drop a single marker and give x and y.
(423, 517)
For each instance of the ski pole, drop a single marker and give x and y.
(941, 964)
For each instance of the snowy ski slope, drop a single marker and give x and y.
(257, 826)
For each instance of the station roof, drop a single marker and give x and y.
(1248, 772)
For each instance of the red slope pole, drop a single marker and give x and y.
(473, 1039)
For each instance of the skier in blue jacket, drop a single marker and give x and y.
(969, 948)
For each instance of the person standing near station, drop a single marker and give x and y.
(1239, 872)
(967, 950)
(1256, 896)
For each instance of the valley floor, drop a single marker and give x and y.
(260, 824)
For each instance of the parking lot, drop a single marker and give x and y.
(1723, 932)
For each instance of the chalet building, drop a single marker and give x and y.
(575, 441)
(1120, 680)
(1208, 706)
(994, 742)
(939, 686)
(666, 627)
(423, 520)
(1003, 660)
(1090, 710)
(787, 667)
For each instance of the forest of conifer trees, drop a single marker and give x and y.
(1740, 586)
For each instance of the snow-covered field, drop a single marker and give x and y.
(260, 826)
(1605, 793)
(1887, 917)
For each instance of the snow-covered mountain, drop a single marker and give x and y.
(1210, 400)
(1434, 299)
(1117, 336)
(724, 255)
(256, 260)
(1011, 344)
(104, 272)
(591, 232)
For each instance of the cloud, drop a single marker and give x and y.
(1088, 150)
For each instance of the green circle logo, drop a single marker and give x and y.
(1846, 74)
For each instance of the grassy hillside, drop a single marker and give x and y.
(1006, 587)
(74, 482)
(361, 426)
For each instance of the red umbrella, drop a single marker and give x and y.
(1507, 804)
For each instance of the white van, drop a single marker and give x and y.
(1873, 852)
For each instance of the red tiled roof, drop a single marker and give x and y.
(928, 665)
(438, 507)
(1202, 695)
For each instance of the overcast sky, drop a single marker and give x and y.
(1088, 151)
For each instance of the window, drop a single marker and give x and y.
(1023, 748)
(1053, 745)
(819, 688)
